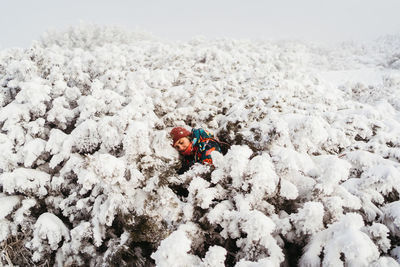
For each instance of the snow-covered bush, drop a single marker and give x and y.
(88, 176)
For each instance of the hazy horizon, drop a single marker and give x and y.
(23, 21)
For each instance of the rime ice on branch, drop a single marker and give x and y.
(88, 176)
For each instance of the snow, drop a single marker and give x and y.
(7, 205)
(395, 253)
(32, 150)
(28, 181)
(88, 175)
(370, 76)
(201, 193)
(215, 256)
(47, 227)
(391, 217)
(309, 219)
(344, 236)
(173, 251)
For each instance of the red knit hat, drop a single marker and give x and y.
(177, 133)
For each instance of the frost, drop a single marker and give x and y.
(88, 176)
(59, 145)
(26, 181)
(4, 229)
(288, 190)
(392, 217)
(35, 94)
(380, 233)
(259, 228)
(50, 229)
(200, 192)
(7, 205)
(61, 114)
(215, 256)
(344, 236)
(309, 219)
(332, 172)
(385, 261)
(174, 251)
(32, 150)
(395, 253)
(24, 211)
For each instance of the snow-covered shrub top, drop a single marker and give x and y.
(88, 176)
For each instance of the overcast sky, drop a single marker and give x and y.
(22, 21)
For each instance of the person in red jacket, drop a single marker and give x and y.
(195, 146)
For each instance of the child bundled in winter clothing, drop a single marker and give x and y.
(195, 146)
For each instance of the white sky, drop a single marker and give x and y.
(22, 21)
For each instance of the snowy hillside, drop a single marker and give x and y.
(88, 176)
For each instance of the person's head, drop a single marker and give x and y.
(180, 139)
